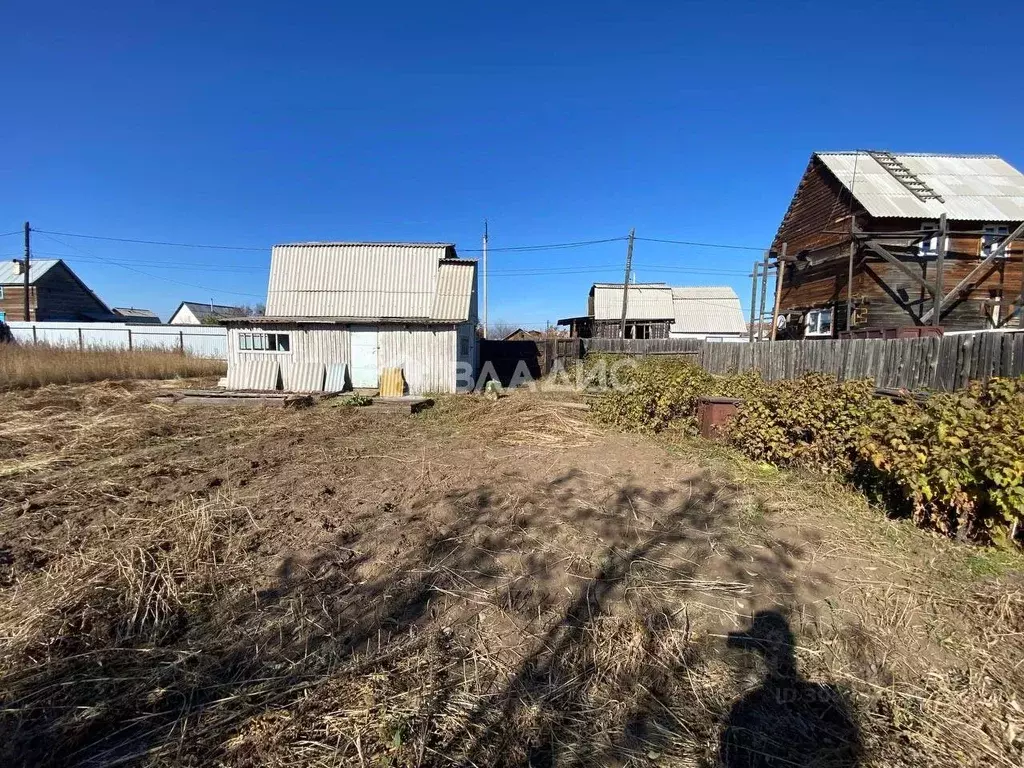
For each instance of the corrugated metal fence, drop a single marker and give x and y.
(200, 340)
(942, 364)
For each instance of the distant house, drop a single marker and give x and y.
(901, 240)
(520, 334)
(200, 313)
(55, 293)
(338, 314)
(659, 311)
(133, 315)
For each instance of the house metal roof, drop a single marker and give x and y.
(647, 301)
(972, 187)
(204, 309)
(413, 281)
(136, 314)
(710, 310)
(10, 274)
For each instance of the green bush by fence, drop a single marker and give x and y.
(953, 462)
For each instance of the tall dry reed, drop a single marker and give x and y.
(25, 366)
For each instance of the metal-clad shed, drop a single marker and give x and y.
(646, 301)
(366, 307)
(702, 312)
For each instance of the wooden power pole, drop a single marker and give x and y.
(625, 282)
(485, 278)
(753, 299)
(764, 291)
(28, 258)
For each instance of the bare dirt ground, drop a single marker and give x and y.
(481, 584)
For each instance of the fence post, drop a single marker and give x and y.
(81, 343)
(181, 342)
(34, 339)
(129, 339)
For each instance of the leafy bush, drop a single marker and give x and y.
(954, 463)
(955, 460)
(816, 422)
(654, 393)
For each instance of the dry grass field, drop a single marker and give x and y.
(483, 584)
(24, 366)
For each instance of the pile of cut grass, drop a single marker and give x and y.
(27, 366)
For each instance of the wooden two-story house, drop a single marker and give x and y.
(55, 293)
(876, 240)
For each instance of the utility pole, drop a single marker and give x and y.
(778, 290)
(485, 278)
(28, 258)
(753, 299)
(625, 282)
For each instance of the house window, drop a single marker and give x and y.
(264, 342)
(463, 345)
(1, 291)
(930, 244)
(993, 235)
(818, 322)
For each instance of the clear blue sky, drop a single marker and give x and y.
(255, 123)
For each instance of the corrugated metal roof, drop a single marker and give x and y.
(708, 310)
(10, 274)
(647, 301)
(973, 187)
(202, 310)
(366, 280)
(455, 281)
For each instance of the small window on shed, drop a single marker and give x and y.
(259, 341)
(993, 235)
(463, 345)
(283, 342)
(1, 291)
(245, 341)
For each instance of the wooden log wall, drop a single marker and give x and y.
(941, 363)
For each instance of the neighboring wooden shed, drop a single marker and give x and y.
(892, 240)
(339, 314)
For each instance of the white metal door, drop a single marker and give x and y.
(364, 357)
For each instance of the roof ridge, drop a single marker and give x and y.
(981, 155)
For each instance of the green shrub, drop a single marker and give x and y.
(955, 463)
(954, 460)
(653, 393)
(814, 422)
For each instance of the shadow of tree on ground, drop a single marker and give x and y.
(567, 622)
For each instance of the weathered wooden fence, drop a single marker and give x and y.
(941, 364)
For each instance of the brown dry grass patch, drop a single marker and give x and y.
(23, 366)
(485, 584)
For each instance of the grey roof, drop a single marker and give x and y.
(135, 314)
(710, 310)
(9, 274)
(647, 301)
(973, 187)
(204, 309)
(415, 281)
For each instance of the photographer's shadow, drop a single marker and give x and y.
(786, 721)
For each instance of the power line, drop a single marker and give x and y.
(156, 264)
(702, 245)
(546, 247)
(154, 242)
(15, 232)
(146, 274)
